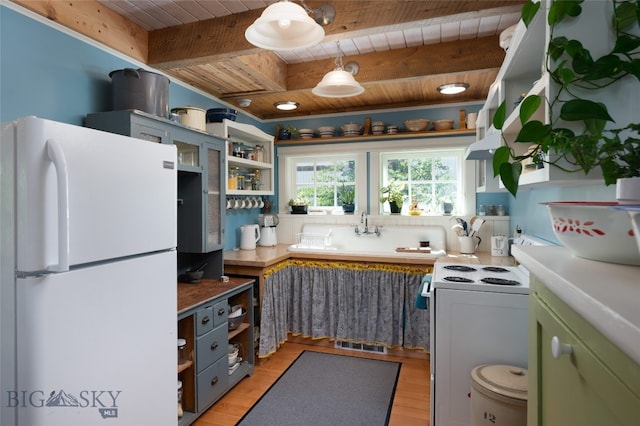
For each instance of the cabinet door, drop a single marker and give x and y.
(576, 388)
(214, 195)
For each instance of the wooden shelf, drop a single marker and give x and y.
(184, 366)
(360, 138)
(242, 327)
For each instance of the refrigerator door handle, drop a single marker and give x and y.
(56, 155)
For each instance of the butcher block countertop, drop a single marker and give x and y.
(191, 295)
(263, 257)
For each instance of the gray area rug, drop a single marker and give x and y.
(326, 389)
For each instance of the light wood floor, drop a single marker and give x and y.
(410, 404)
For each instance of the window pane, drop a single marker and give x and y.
(346, 171)
(319, 180)
(421, 169)
(325, 196)
(398, 170)
(445, 168)
(304, 173)
(325, 172)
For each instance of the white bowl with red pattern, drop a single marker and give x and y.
(595, 230)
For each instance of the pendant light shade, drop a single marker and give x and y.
(284, 26)
(339, 83)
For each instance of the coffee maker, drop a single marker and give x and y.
(268, 223)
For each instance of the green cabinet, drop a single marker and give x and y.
(201, 174)
(577, 376)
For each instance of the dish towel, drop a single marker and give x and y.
(421, 301)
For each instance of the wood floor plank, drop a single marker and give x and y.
(410, 404)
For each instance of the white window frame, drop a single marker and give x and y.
(369, 167)
(289, 156)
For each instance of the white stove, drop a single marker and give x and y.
(492, 278)
(478, 315)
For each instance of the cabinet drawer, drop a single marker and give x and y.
(204, 320)
(220, 313)
(211, 346)
(212, 383)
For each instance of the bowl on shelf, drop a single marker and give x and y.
(351, 129)
(417, 124)
(236, 316)
(326, 131)
(595, 231)
(443, 124)
(216, 115)
(305, 133)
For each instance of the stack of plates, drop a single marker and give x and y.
(377, 127)
(351, 129)
(305, 133)
(392, 130)
(326, 131)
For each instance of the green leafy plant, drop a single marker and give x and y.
(392, 193)
(346, 194)
(575, 133)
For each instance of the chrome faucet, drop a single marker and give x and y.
(364, 220)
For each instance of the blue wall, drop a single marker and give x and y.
(47, 73)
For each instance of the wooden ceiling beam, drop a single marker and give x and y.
(407, 63)
(97, 22)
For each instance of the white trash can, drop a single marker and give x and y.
(498, 395)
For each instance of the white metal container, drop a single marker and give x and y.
(498, 395)
(193, 117)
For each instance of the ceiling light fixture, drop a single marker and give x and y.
(339, 83)
(287, 26)
(453, 88)
(244, 102)
(286, 105)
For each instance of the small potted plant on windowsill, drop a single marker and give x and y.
(346, 195)
(298, 205)
(394, 195)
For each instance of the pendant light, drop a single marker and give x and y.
(287, 26)
(339, 83)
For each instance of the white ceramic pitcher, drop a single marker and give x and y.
(249, 236)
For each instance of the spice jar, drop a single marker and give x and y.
(240, 185)
(182, 351)
(482, 210)
(492, 210)
(501, 211)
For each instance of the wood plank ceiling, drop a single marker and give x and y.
(405, 49)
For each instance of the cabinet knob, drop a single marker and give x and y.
(558, 348)
(214, 346)
(214, 381)
(221, 312)
(205, 320)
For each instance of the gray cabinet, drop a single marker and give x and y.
(206, 375)
(201, 174)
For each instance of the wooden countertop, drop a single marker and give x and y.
(263, 257)
(191, 295)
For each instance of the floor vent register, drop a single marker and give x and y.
(360, 347)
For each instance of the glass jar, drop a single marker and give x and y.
(232, 181)
(501, 210)
(182, 351)
(482, 210)
(180, 411)
(260, 153)
(240, 185)
(492, 210)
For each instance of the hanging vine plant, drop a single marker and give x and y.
(577, 135)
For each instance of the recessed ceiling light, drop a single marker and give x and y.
(453, 88)
(286, 105)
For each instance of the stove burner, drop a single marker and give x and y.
(494, 269)
(460, 268)
(499, 281)
(458, 279)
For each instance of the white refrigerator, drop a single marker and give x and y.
(88, 290)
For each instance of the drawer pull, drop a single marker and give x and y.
(214, 381)
(205, 320)
(221, 312)
(214, 346)
(558, 348)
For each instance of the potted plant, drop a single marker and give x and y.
(394, 195)
(346, 195)
(575, 134)
(298, 205)
(287, 132)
